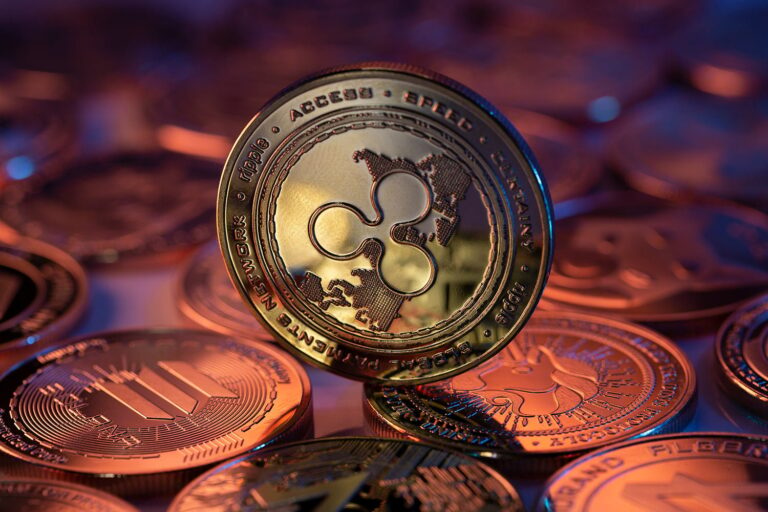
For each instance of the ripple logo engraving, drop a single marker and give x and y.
(403, 195)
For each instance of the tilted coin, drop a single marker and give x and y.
(674, 265)
(742, 355)
(43, 292)
(145, 402)
(350, 202)
(207, 297)
(350, 473)
(689, 472)
(33, 495)
(567, 384)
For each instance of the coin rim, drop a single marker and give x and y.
(114, 503)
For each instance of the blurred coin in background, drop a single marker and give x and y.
(34, 495)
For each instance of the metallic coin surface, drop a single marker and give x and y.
(349, 473)
(690, 472)
(32, 495)
(206, 296)
(661, 262)
(106, 209)
(351, 202)
(150, 401)
(568, 383)
(742, 355)
(43, 292)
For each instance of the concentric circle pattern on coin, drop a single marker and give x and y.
(144, 402)
(742, 355)
(567, 384)
(349, 473)
(688, 472)
(43, 292)
(32, 495)
(385, 225)
(207, 297)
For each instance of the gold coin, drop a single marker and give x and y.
(33, 495)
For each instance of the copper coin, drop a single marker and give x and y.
(567, 384)
(145, 402)
(742, 355)
(32, 495)
(350, 202)
(350, 473)
(207, 297)
(108, 209)
(43, 292)
(674, 265)
(688, 472)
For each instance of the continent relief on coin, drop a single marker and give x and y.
(385, 223)
(569, 383)
(34, 495)
(690, 472)
(350, 473)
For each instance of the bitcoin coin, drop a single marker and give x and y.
(689, 472)
(349, 473)
(145, 402)
(567, 384)
(345, 203)
(43, 292)
(32, 495)
(206, 296)
(742, 355)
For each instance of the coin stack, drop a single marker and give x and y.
(468, 257)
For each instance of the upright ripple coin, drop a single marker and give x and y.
(146, 402)
(348, 204)
(742, 355)
(32, 495)
(569, 383)
(688, 472)
(348, 473)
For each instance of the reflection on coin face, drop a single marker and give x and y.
(143, 402)
(568, 383)
(657, 261)
(31, 495)
(343, 214)
(42, 293)
(681, 473)
(349, 473)
(742, 355)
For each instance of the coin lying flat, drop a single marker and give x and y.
(32, 495)
(567, 384)
(742, 355)
(687, 472)
(150, 401)
(43, 292)
(349, 204)
(349, 473)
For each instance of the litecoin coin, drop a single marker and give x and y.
(742, 355)
(349, 473)
(689, 472)
(351, 203)
(569, 383)
(150, 401)
(32, 495)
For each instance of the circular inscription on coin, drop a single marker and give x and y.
(345, 211)
(348, 473)
(43, 292)
(742, 354)
(31, 495)
(567, 384)
(142, 402)
(681, 473)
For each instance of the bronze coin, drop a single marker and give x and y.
(33, 495)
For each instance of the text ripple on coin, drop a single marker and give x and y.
(568, 383)
(43, 292)
(33, 495)
(150, 401)
(674, 265)
(349, 473)
(207, 297)
(384, 225)
(125, 205)
(742, 355)
(691, 472)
